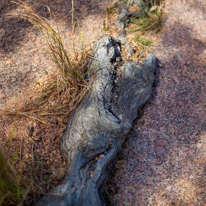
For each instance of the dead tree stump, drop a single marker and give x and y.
(98, 127)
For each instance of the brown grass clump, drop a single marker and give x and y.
(23, 175)
(22, 182)
(151, 19)
(12, 187)
(65, 89)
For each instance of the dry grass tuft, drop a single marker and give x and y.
(12, 187)
(152, 19)
(66, 89)
(60, 96)
(25, 183)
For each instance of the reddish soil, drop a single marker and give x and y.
(165, 156)
(24, 61)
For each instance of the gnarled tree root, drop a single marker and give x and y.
(98, 127)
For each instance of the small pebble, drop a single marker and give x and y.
(65, 119)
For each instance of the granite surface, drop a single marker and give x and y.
(170, 135)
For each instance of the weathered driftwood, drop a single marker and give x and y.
(98, 127)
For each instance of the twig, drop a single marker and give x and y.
(136, 152)
(56, 194)
(32, 148)
(31, 139)
(21, 148)
(7, 112)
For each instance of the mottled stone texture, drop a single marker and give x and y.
(170, 136)
(98, 127)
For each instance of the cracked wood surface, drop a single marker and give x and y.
(98, 127)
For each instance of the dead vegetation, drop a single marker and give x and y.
(24, 175)
(142, 32)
